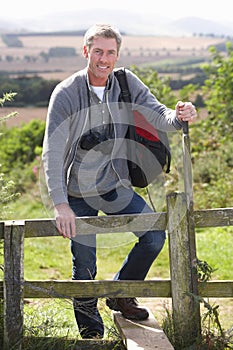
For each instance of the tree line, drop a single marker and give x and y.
(32, 91)
(36, 91)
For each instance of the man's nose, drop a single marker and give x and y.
(104, 57)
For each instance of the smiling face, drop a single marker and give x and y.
(102, 57)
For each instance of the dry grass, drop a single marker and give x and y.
(24, 115)
(136, 50)
(129, 42)
(171, 43)
(45, 42)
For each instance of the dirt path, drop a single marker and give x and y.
(159, 305)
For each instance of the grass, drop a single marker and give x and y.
(213, 245)
(171, 62)
(50, 258)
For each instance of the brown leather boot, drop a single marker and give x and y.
(128, 307)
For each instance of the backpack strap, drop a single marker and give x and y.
(126, 97)
(121, 77)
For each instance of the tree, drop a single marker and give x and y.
(218, 88)
(7, 187)
(159, 86)
(212, 148)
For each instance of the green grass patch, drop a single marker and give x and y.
(214, 245)
(55, 318)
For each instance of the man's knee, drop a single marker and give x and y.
(156, 242)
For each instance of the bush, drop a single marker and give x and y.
(20, 151)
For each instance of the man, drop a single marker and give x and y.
(85, 162)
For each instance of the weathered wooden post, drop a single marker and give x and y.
(185, 308)
(1, 299)
(182, 248)
(13, 285)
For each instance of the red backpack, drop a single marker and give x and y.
(149, 154)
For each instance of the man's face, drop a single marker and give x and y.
(101, 56)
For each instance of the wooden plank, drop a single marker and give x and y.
(157, 289)
(149, 289)
(13, 287)
(99, 224)
(95, 224)
(124, 223)
(216, 289)
(139, 335)
(214, 217)
(100, 289)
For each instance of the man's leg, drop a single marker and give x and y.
(150, 243)
(83, 250)
(142, 255)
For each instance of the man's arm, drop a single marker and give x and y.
(156, 113)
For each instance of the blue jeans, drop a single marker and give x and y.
(135, 266)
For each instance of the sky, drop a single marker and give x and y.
(173, 9)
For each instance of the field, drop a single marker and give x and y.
(40, 260)
(24, 115)
(28, 60)
(137, 50)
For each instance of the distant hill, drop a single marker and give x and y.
(43, 33)
(131, 23)
(201, 26)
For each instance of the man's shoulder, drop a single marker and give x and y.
(71, 84)
(77, 77)
(132, 79)
(130, 76)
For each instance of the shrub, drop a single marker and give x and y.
(19, 152)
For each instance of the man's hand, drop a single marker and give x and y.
(185, 111)
(65, 220)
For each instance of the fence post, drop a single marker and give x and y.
(1, 300)
(13, 286)
(186, 311)
(188, 185)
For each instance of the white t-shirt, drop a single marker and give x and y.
(99, 91)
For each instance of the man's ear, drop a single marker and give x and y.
(85, 52)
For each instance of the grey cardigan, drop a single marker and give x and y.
(67, 117)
